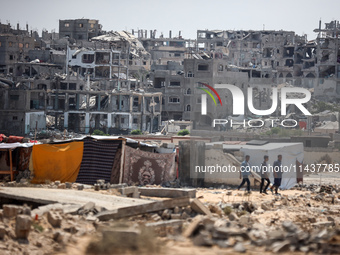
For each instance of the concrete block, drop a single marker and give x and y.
(80, 186)
(54, 219)
(125, 237)
(118, 186)
(130, 191)
(23, 226)
(199, 207)
(167, 192)
(10, 211)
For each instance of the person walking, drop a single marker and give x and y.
(264, 175)
(277, 169)
(244, 173)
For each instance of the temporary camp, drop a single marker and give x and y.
(85, 160)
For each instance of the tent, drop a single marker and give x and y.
(13, 157)
(111, 158)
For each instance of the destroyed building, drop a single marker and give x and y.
(286, 56)
(79, 29)
(122, 81)
(13, 49)
(78, 88)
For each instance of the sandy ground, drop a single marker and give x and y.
(179, 245)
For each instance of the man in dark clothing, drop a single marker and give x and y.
(264, 175)
(245, 172)
(277, 169)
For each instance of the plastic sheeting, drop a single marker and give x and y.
(57, 162)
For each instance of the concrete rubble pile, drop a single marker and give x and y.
(242, 229)
(307, 221)
(24, 232)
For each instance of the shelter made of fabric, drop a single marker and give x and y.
(57, 162)
(143, 168)
(99, 161)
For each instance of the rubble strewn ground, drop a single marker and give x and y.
(303, 220)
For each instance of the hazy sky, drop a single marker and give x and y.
(301, 16)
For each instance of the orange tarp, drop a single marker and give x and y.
(52, 162)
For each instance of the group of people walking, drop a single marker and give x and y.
(245, 172)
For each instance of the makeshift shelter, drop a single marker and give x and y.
(56, 162)
(14, 157)
(110, 158)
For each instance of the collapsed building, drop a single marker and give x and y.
(85, 78)
(78, 87)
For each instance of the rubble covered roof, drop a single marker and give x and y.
(117, 36)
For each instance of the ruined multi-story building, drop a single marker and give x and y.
(79, 29)
(118, 81)
(13, 49)
(164, 49)
(327, 64)
(80, 87)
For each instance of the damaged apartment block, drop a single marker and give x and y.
(89, 85)
(85, 78)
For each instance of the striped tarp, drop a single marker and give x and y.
(97, 162)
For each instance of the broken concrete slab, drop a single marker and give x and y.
(165, 223)
(323, 224)
(118, 186)
(225, 232)
(41, 210)
(167, 192)
(131, 191)
(68, 196)
(199, 207)
(144, 208)
(189, 231)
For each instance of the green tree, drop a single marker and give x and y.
(183, 132)
(136, 132)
